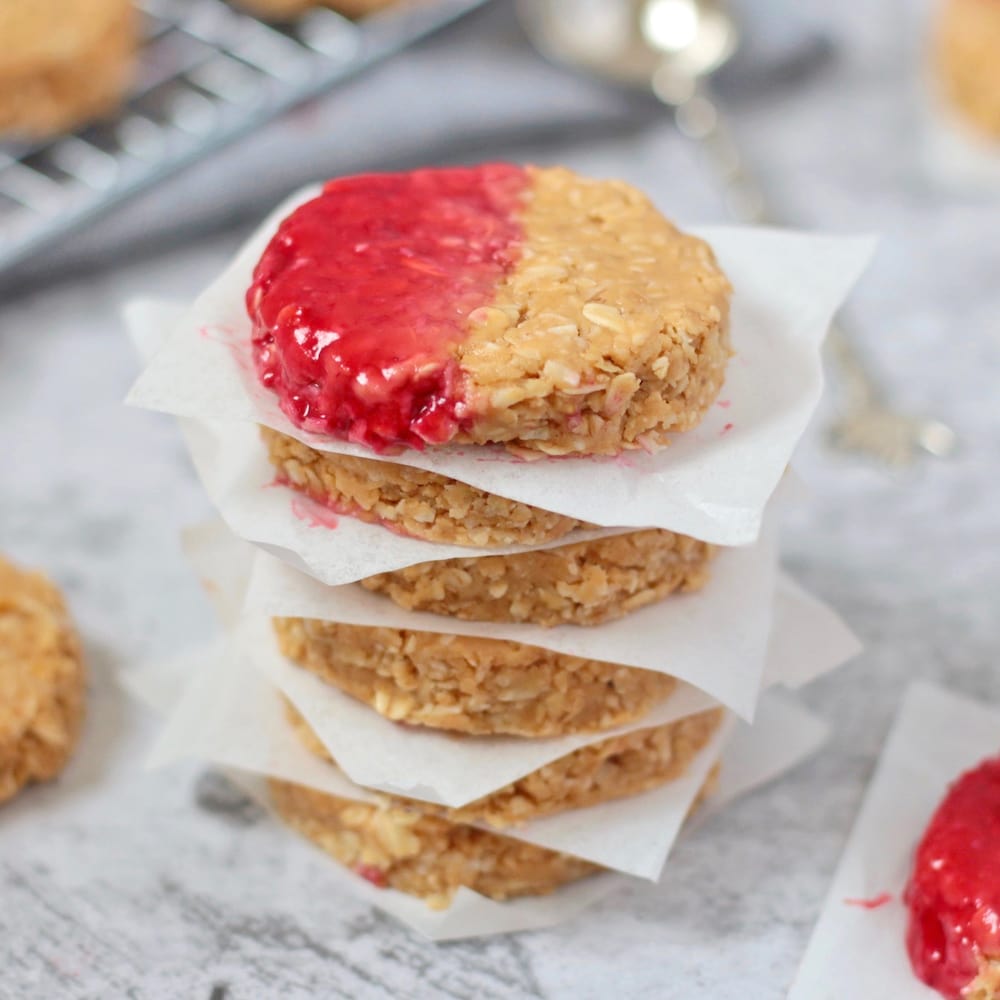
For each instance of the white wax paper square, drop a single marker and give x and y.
(859, 951)
(445, 768)
(715, 638)
(712, 482)
(470, 914)
(232, 464)
(440, 767)
(233, 718)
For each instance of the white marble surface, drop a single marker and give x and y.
(119, 883)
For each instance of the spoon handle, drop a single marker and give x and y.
(698, 116)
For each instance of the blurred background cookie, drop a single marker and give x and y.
(41, 680)
(968, 60)
(62, 62)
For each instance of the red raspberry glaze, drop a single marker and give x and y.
(954, 890)
(362, 292)
(372, 874)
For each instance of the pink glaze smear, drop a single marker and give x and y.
(363, 292)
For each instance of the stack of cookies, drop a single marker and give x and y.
(528, 321)
(529, 308)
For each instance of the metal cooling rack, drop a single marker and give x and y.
(207, 74)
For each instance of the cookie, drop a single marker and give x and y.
(62, 62)
(585, 583)
(470, 684)
(968, 61)
(41, 681)
(399, 847)
(601, 772)
(496, 304)
(411, 501)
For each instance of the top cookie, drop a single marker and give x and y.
(492, 304)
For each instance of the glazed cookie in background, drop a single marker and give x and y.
(968, 60)
(614, 768)
(953, 894)
(584, 583)
(417, 503)
(41, 680)
(62, 62)
(470, 684)
(523, 306)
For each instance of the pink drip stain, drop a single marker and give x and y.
(726, 429)
(320, 513)
(724, 404)
(312, 513)
(237, 342)
(218, 333)
(874, 903)
(372, 874)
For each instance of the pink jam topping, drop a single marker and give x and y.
(954, 890)
(363, 291)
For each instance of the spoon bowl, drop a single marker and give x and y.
(656, 44)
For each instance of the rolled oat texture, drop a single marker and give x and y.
(601, 772)
(470, 684)
(612, 332)
(424, 855)
(585, 583)
(414, 502)
(420, 854)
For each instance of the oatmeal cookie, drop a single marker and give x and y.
(411, 501)
(601, 772)
(402, 848)
(585, 583)
(968, 60)
(522, 306)
(470, 684)
(41, 680)
(62, 62)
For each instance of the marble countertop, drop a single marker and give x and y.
(117, 882)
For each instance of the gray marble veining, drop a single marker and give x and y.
(116, 882)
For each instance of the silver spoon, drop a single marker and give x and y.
(671, 47)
